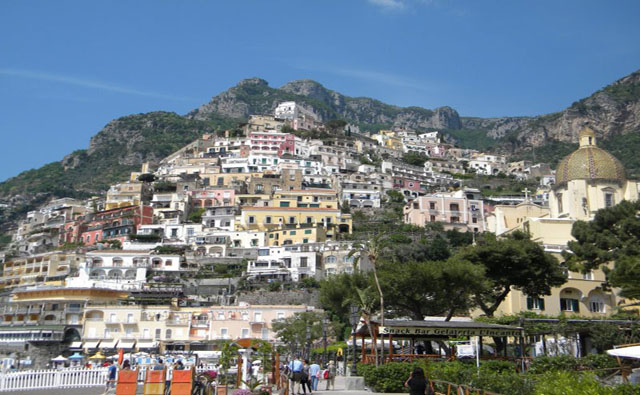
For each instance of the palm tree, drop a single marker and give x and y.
(373, 250)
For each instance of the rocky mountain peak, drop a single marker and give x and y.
(253, 81)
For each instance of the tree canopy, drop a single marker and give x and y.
(514, 262)
(612, 237)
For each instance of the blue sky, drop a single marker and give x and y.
(69, 67)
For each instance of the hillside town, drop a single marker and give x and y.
(232, 234)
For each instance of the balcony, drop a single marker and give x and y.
(199, 324)
(130, 321)
(112, 321)
(177, 322)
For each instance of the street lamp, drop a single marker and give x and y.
(354, 319)
(325, 322)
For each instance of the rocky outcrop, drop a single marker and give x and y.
(610, 111)
(254, 96)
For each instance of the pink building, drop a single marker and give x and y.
(240, 322)
(213, 197)
(455, 210)
(272, 143)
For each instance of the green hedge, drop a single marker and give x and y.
(547, 376)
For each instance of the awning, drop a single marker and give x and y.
(75, 345)
(625, 352)
(126, 344)
(147, 344)
(108, 343)
(91, 345)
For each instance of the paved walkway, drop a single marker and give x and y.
(100, 390)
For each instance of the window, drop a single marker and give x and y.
(596, 304)
(245, 316)
(588, 275)
(174, 232)
(267, 220)
(303, 261)
(308, 232)
(567, 304)
(146, 333)
(609, 199)
(257, 316)
(221, 315)
(254, 242)
(535, 303)
(245, 333)
(292, 233)
(330, 259)
(559, 199)
(224, 333)
(454, 207)
(309, 220)
(258, 188)
(265, 334)
(474, 220)
(190, 231)
(167, 334)
(284, 204)
(432, 218)
(280, 316)
(252, 219)
(292, 220)
(304, 241)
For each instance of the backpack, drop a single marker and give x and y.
(326, 374)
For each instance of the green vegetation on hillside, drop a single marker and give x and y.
(625, 148)
(552, 152)
(475, 139)
(157, 134)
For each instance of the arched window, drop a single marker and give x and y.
(330, 259)
(347, 259)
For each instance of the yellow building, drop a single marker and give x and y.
(322, 198)
(42, 269)
(128, 194)
(587, 180)
(299, 234)
(508, 217)
(269, 218)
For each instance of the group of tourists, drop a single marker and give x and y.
(305, 376)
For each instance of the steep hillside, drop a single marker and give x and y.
(120, 147)
(255, 96)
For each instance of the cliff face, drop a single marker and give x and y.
(611, 111)
(255, 96)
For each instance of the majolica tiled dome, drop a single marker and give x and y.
(589, 163)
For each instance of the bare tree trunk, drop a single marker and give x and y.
(375, 346)
(375, 276)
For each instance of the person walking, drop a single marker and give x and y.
(112, 372)
(295, 367)
(306, 376)
(331, 377)
(314, 375)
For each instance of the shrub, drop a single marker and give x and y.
(505, 383)
(543, 364)
(603, 364)
(389, 377)
(570, 383)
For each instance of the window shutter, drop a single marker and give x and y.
(576, 305)
(529, 302)
(541, 303)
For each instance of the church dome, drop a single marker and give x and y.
(589, 163)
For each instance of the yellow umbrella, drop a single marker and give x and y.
(98, 355)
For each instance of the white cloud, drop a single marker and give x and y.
(388, 4)
(85, 83)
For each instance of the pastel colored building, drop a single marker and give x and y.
(453, 210)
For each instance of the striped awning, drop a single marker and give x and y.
(90, 345)
(127, 344)
(108, 343)
(75, 345)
